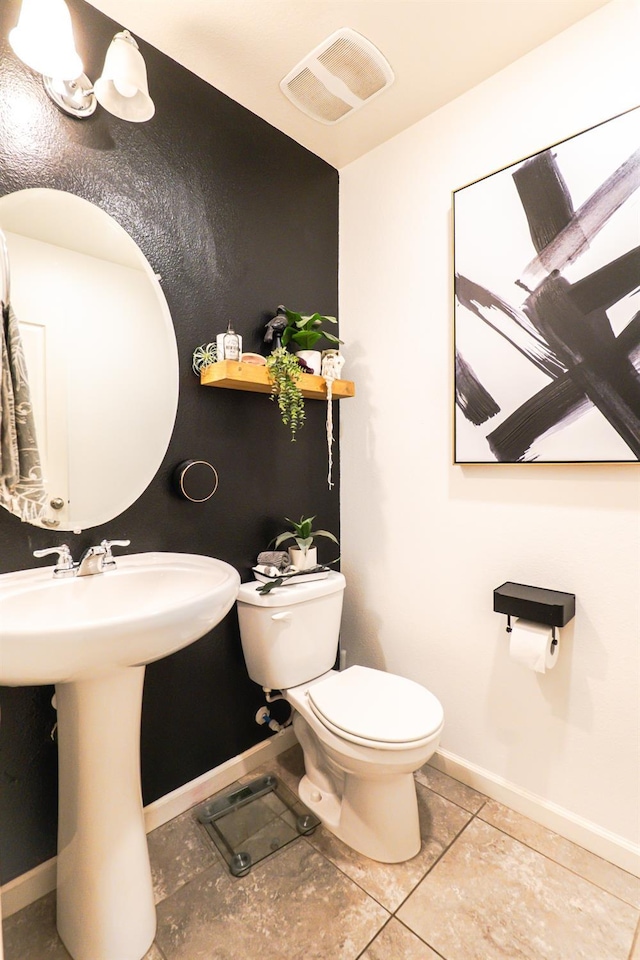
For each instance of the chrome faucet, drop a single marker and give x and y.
(65, 567)
(99, 559)
(94, 560)
(91, 562)
(109, 562)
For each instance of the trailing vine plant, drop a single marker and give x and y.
(284, 373)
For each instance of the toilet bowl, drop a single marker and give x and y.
(363, 732)
(362, 787)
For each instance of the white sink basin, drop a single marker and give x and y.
(151, 605)
(92, 637)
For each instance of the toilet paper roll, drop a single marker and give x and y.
(531, 645)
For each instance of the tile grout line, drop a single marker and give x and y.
(392, 913)
(564, 867)
(443, 796)
(421, 939)
(347, 877)
(155, 944)
(475, 816)
(375, 937)
(535, 849)
(218, 860)
(435, 862)
(635, 941)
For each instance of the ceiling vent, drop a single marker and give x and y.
(338, 77)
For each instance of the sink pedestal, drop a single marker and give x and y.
(105, 894)
(91, 636)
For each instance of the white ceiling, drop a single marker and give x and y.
(438, 49)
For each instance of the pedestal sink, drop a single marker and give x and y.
(92, 637)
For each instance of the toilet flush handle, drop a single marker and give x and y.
(285, 615)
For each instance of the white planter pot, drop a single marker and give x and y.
(301, 560)
(312, 358)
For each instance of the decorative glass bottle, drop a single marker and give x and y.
(229, 344)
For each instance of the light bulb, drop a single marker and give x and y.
(125, 89)
(43, 39)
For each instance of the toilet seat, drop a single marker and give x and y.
(376, 709)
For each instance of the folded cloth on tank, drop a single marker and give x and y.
(274, 558)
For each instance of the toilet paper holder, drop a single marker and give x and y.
(551, 607)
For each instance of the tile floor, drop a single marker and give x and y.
(488, 884)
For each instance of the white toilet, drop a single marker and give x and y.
(363, 732)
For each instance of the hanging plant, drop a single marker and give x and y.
(284, 373)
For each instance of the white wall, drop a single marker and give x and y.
(425, 542)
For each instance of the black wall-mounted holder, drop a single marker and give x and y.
(551, 607)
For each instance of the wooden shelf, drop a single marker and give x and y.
(232, 375)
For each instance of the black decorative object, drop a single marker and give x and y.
(551, 607)
(547, 339)
(275, 328)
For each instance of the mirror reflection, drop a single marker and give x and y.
(100, 350)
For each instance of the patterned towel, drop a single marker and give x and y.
(21, 487)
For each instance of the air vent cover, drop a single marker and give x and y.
(338, 77)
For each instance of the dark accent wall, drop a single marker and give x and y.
(237, 218)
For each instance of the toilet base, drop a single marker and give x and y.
(377, 818)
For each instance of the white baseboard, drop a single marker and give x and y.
(34, 884)
(598, 840)
(28, 887)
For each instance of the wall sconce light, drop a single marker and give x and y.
(43, 39)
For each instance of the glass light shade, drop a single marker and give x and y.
(43, 39)
(123, 88)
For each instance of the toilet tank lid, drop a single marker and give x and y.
(290, 593)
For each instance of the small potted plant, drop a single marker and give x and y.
(303, 556)
(305, 331)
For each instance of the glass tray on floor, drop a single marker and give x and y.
(254, 821)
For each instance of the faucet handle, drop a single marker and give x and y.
(109, 559)
(65, 566)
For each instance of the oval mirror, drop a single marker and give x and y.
(100, 350)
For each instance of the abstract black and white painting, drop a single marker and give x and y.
(547, 304)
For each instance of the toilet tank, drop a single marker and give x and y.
(290, 635)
